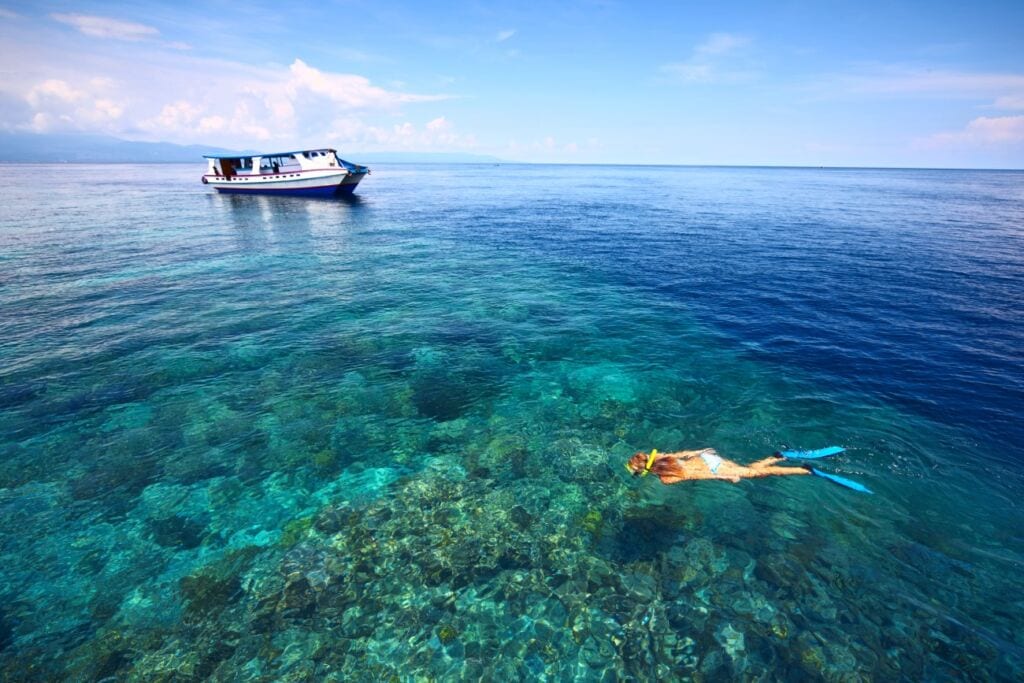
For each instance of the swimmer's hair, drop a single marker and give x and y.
(662, 467)
(637, 462)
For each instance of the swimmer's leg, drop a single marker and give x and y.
(770, 470)
(770, 460)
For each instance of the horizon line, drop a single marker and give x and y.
(499, 162)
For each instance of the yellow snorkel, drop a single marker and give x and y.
(650, 461)
(647, 467)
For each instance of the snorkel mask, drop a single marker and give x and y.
(647, 468)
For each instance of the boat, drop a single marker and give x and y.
(304, 173)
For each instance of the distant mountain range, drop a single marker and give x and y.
(78, 148)
(75, 148)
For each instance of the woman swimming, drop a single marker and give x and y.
(672, 468)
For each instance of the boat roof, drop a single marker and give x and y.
(267, 154)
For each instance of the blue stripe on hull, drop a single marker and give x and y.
(329, 191)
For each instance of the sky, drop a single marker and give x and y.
(892, 83)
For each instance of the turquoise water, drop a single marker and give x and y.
(249, 438)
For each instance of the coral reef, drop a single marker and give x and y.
(360, 454)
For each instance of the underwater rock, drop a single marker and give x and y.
(448, 432)
(212, 423)
(358, 485)
(209, 590)
(107, 655)
(202, 463)
(369, 438)
(302, 561)
(520, 517)
(295, 530)
(326, 461)
(124, 476)
(163, 500)
(731, 640)
(334, 518)
(603, 381)
(177, 531)
(781, 572)
(14, 393)
(206, 593)
(127, 416)
(298, 599)
(111, 664)
(442, 396)
(641, 587)
(787, 526)
(6, 630)
(713, 666)
(593, 523)
(505, 453)
(812, 659)
(574, 461)
(446, 633)
(647, 533)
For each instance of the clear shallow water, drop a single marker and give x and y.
(265, 438)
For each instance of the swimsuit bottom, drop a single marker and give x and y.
(711, 459)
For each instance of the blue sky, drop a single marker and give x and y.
(786, 83)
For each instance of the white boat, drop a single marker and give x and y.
(307, 173)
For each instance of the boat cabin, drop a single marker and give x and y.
(275, 164)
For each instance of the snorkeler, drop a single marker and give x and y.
(672, 468)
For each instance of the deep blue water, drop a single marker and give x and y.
(248, 438)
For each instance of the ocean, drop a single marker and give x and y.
(261, 438)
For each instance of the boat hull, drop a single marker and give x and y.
(332, 185)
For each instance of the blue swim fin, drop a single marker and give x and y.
(842, 481)
(812, 455)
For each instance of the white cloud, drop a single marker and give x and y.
(904, 81)
(1009, 102)
(176, 115)
(105, 27)
(720, 44)
(108, 109)
(184, 120)
(438, 124)
(505, 35)
(1000, 91)
(157, 96)
(53, 89)
(713, 60)
(985, 131)
(41, 122)
(689, 72)
(348, 90)
(353, 55)
(438, 133)
(59, 105)
(212, 124)
(8, 14)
